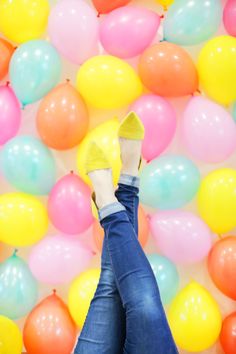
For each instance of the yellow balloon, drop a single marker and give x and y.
(108, 82)
(105, 135)
(23, 219)
(23, 20)
(217, 200)
(81, 293)
(195, 319)
(165, 3)
(10, 337)
(217, 69)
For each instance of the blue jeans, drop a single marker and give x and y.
(126, 314)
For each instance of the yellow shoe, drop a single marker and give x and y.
(96, 159)
(132, 127)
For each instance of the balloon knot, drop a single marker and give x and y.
(94, 253)
(98, 15)
(68, 81)
(15, 252)
(199, 91)
(165, 8)
(163, 40)
(71, 172)
(148, 216)
(54, 291)
(8, 83)
(162, 16)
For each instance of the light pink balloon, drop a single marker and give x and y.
(181, 236)
(208, 130)
(73, 29)
(69, 205)
(159, 119)
(229, 17)
(127, 31)
(10, 114)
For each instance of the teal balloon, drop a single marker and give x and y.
(166, 275)
(28, 165)
(169, 182)
(234, 112)
(189, 22)
(18, 288)
(35, 68)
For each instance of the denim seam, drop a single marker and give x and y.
(110, 209)
(129, 180)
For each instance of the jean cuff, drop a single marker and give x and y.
(110, 209)
(129, 180)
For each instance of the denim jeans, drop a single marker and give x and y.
(126, 315)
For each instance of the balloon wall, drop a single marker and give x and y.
(70, 70)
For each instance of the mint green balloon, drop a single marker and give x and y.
(234, 112)
(18, 288)
(167, 277)
(189, 22)
(169, 182)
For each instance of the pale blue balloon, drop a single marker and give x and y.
(169, 182)
(234, 112)
(167, 277)
(189, 22)
(28, 165)
(18, 288)
(35, 68)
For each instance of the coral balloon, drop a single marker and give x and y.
(167, 70)
(229, 17)
(222, 266)
(62, 119)
(48, 327)
(10, 337)
(104, 6)
(228, 334)
(165, 3)
(6, 51)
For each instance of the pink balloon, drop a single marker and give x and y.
(229, 17)
(58, 259)
(73, 29)
(10, 114)
(208, 130)
(69, 205)
(159, 119)
(127, 31)
(181, 236)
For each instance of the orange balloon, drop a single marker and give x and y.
(6, 51)
(106, 6)
(62, 119)
(143, 225)
(49, 328)
(168, 70)
(228, 334)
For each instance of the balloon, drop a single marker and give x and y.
(104, 6)
(81, 293)
(209, 131)
(49, 327)
(167, 70)
(108, 82)
(73, 30)
(10, 114)
(23, 219)
(190, 22)
(195, 319)
(169, 182)
(228, 334)
(222, 266)
(127, 31)
(105, 135)
(217, 69)
(166, 275)
(58, 259)
(159, 119)
(69, 205)
(234, 112)
(10, 337)
(181, 236)
(217, 200)
(6, 51)
(165, 3)
(62, 118)
(98, 233)
(18, 288)
(28, 165)
(34, 70)
(229, 17)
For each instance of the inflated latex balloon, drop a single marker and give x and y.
(23, 219)
(104, 6)
(35, 69)
(81, 294)
(73, 29)
(108, 82)
(62, 118)
(168, 70)
(169, 182)
(195, 319)
(18, 288)
(190, 22)
(23, 20)
(228, 334)
(167, 276)
(49, 328)
(10, 114)
(217, 200)
(6, 51)
(165, 3)
(229, 17)
(10, 337)
(217, 69)
(28, 165)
